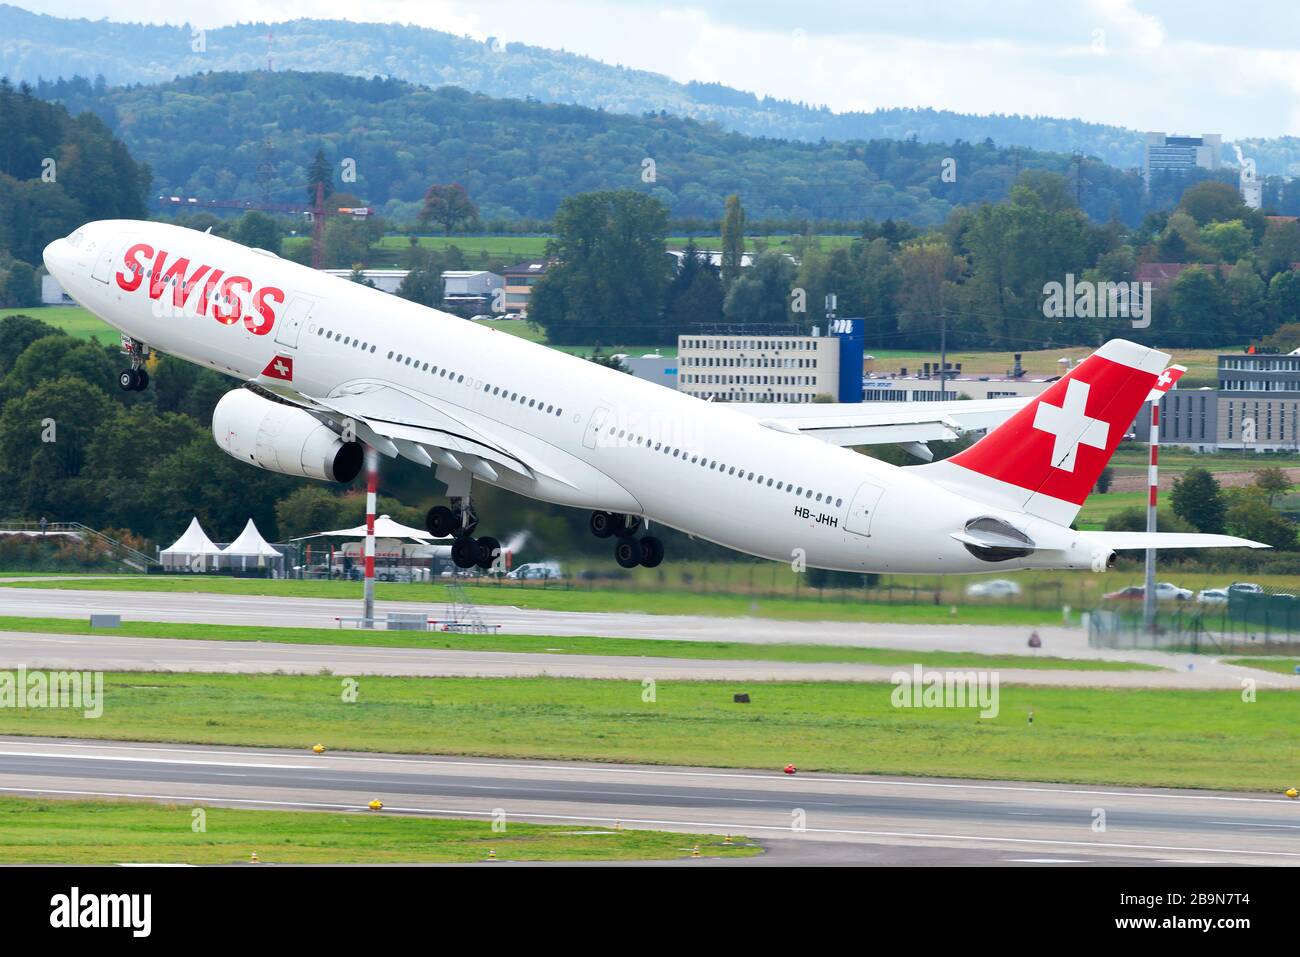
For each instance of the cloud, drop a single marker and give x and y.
(1175, 65)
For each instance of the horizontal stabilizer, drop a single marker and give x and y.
(1119, 541)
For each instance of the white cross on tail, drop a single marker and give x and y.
(1070, 427)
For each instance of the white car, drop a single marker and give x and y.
(533, 570)
(1248, 587)
(482, 317)
(1212, 596)
(1167, 591)
(997, 588)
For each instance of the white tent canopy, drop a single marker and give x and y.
(385, 527)
(194, 542)
(250, 544)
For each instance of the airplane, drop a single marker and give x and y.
(329, 366)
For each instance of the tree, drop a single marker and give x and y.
(1198, 499)
(19, 332)
(694, 296)
(762, 293)
(733, 240)
(1273, 481)
(44, 434)
(320, 173)
(610, 273)
(1211, 202)
(18, 286)
(1251, 517)
(423, 284)
(258, 230)
(447, 205)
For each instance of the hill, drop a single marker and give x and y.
(245, 135)
(35, 46)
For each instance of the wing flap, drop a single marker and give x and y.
(883, 423)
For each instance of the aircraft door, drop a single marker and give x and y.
(108, 260)
(863, 509)
(289, 326)
(599, 419)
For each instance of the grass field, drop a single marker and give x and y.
(110, 832)
(1284, 666)
(1209, 739)
(658, 602)
(583, 645)
(73, 320)
(1098, 508)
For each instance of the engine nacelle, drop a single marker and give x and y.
(1103, 559)
(282, 438)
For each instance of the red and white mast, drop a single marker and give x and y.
(1163, 385)
(372, 488)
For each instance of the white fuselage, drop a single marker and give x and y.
(612, 441)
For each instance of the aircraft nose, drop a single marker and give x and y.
(55, 256)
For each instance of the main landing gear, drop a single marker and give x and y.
(134, 379)
(629, 551)
(460, 521)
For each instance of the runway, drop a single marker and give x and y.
(821, 818)
(110, 652)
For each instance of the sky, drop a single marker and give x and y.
(1186, 66)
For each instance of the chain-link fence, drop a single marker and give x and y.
(1263, 621)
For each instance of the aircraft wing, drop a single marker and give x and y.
(1127, 540)
(882, 423)
(397, 422)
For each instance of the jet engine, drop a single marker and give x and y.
(282, 438)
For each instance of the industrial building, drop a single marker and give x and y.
(519, 281)
(773, 364)
(1256, 408)
(1179, 154)
(470, 287)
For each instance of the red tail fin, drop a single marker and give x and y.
(1046, 458)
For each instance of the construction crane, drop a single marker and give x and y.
(316, 213)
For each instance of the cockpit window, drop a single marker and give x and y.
(75, 239)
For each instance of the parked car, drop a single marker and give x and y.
(996, 588)
(1131, 593)
(536, 570)
(1247, 587)
(1212, 596)
(484, 317)
(1165, 591)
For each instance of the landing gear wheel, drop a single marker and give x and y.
(128, 380)
(652, 551)
(142, 380)
(441, 522)
(626, 527)
(602, 524)
(627, 553)
(488, 551)
(464, 552)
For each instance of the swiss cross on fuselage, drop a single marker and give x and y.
(1069, 426)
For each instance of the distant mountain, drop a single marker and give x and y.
(251, 135)
(34, 46)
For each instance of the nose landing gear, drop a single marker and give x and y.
(134, 379)
(629, 551)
